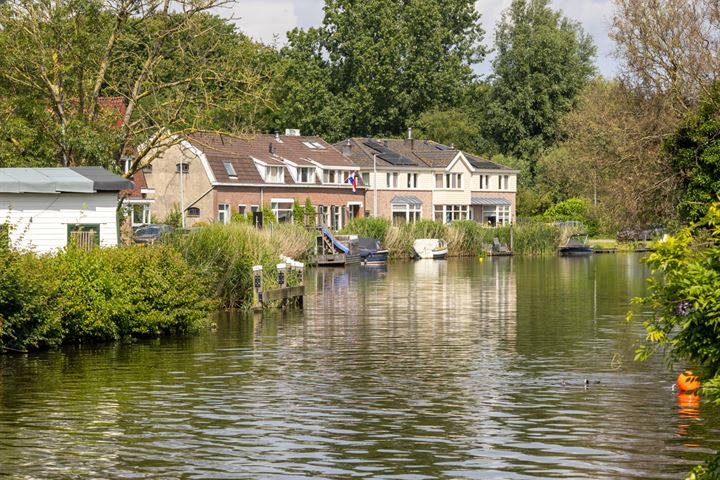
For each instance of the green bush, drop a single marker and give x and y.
(577, 209)
(373, 227)
(28, 316)
(134, 291)
(685, 298)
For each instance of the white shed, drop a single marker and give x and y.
(46, 207)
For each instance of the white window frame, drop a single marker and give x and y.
(451, 213)
(223, 213)
(229, 169)
(412, 180)
(412, 213)
(275, 174)
(391, 179)
(309, 174)
(282, 208)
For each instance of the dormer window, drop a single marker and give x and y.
(305, 175)
(275, 175)
(230, 169)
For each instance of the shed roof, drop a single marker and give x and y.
(58, 180)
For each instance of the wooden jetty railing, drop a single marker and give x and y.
(286, 295)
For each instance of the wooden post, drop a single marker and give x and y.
(511, 237)
(282, 280)
(257, 286)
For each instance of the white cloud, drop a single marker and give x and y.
(266, 19)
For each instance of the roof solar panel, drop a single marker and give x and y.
(388, 155)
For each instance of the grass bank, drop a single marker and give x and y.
(464, 238)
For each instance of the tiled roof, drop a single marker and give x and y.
(242, 153)
(412, 153)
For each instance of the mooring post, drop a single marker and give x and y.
(257, 286)
(282, 280)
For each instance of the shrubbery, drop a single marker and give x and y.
(103, 294)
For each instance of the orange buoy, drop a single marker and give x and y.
(687, 382)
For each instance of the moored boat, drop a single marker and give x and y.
(430, 248)
(371, 252)
(576, 245)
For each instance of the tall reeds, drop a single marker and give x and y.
(464, 238)
(225, 254)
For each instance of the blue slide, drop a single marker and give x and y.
(334, 241)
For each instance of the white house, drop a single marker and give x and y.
(46, 207)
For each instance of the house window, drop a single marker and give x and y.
(392, 179)
(337, 214)
(365, 178)
(450, 213)
(438, 180)
(185, 167)
(402, 214)
(224, 213)
(506, 182)
(453, 180)
(140, 214)
(306, 175)
(275, 175)
(254, 208)
(241, 209)
(484, 182)
(412, 180)
(230, 169)
(314, 145)
(282, 209)
(83, 235)
(329, 176)
(496, 214)
(193, 212)
(147, 168)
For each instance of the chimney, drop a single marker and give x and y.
(409, 142)
(277, 136)
(347, 148)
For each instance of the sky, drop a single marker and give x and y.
(268, 20)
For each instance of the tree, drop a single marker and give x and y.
(543, 62)
(115, 78)
(611, 155)
(374, 66)
(669, 47)
(453, 127)
(694, 151)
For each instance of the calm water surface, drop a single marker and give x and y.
(456, 369)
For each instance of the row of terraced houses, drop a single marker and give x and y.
(208, 177)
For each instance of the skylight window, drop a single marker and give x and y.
(314, 145)
(230, 169)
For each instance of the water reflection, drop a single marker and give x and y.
(429, 369)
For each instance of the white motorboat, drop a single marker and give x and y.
(430, 248)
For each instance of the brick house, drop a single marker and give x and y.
(211, 176)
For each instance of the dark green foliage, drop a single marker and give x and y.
(28, 316)
(575, 209)
(685, 298)
(375, 66)
(298, 214)
(709, 471)
(135, 291)
(694, 151)
(543, 62)
(105, 294)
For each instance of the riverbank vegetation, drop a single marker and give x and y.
(101, 295)
(684, 296)
(464, 238)
(106, 294)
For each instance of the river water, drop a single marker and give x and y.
(432, 369)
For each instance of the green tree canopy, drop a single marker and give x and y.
(694, 151)
(543, 62)
(376, 65)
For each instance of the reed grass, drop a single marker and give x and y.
(464, 238)
(225, 254)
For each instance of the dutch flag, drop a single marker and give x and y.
(352, 179)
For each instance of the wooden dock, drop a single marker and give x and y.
(283, 296)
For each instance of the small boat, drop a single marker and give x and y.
(576, 245)
(371, 252)
(430, 248)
